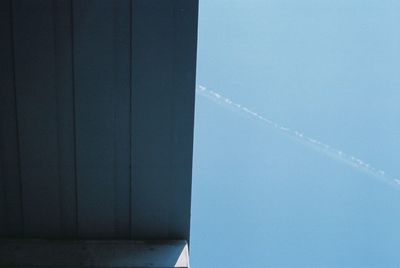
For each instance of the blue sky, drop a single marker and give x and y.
(328, 69)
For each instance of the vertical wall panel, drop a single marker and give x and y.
(162, 118)
(65, 115)
(37, 115)
(152, 117)
(122, 102)
(184, 79)
(11, 219)
(101, 57)
(45, 112)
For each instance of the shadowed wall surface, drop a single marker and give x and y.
(97, 104)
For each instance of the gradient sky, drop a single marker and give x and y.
(329, 69)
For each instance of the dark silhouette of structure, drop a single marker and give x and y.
(97, 108)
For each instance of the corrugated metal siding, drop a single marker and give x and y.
(97, 103)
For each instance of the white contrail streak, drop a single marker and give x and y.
(318, 146)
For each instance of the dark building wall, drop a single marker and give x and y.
(97, 103)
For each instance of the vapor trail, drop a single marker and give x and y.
(315, 144)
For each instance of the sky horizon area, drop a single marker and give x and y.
(297, 134)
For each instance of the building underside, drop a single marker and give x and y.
(97, 110)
